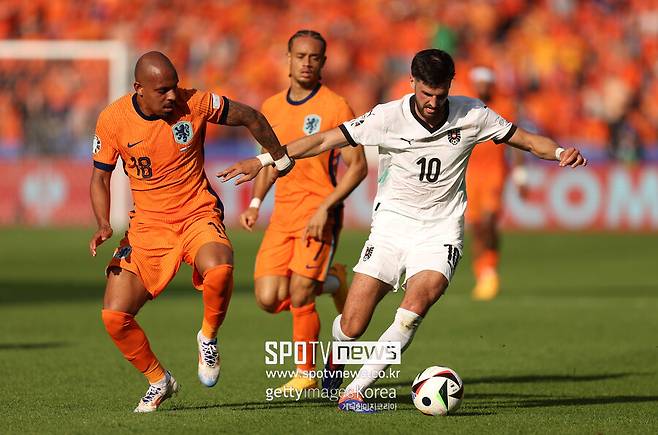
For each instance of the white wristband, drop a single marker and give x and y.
(558, 152)
(283, 163)
(255, 203)
(265, 159)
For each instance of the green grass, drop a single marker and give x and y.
(570, 346)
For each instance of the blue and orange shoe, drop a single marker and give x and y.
(353, 402)
(332, 375)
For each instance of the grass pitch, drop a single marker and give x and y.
(570, 346)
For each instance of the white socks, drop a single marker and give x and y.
(337, 332)
(402, 330)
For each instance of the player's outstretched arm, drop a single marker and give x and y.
(546, 148)
(99, 190)
(260, 129)
(317, 143)
(308, 146)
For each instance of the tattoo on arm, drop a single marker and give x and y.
(241, 114)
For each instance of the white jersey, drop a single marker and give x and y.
(422, 169)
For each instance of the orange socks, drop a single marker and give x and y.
(129, 337)
(488, 260)
(217, 290)
(306, 328)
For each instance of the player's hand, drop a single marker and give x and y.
(572, 157)
(248, 168)
(103, 233)
(248, 218)
(315, 226)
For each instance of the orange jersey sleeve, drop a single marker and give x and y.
(300, 193)
(214, 107)
(163, 158)
(104, 146)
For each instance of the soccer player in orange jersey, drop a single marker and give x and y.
(293, 262)
(159, 133)
(485, 179)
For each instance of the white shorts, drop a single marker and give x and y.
(400, 245)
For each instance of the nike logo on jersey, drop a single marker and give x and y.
(407, 140)
(130, 145)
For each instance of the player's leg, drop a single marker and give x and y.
(429, 264)
(272, 293)
(272, 273)
(309, 264)
(422, 291)
(136, 275)
(378, 270)
(206, 247)
(487, 236)
(305, 330)
(335, 283)
(474, 214)
(364, 295)
(214, 262)
(124, 296)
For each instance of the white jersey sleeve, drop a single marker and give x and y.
(493, 126)
(368, 129)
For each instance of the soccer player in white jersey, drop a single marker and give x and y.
(424, 141)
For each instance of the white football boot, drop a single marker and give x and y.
(158, 393)
(209, 362)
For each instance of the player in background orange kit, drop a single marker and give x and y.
(159, 133)
(485, 179)
(298, 245)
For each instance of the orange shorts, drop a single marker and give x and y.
(154, 250)
(282, 253)
(484, 197)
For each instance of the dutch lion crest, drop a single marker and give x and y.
(183, 132)
(312, 124)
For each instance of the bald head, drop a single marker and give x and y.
(153, 62)
(156, 84)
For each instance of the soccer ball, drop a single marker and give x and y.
(437, 391)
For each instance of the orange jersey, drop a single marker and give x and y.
(488, 158)
(163, 158)
(300, 193)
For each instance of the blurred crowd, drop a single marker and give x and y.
(584, 72)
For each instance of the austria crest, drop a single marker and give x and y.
(183, 132)
(454, 136)
(312, 124)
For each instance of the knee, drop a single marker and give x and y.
(267, 301)
(267, 306)
(115, 321)
(301, 295)
(352, 326)
(421, 303)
